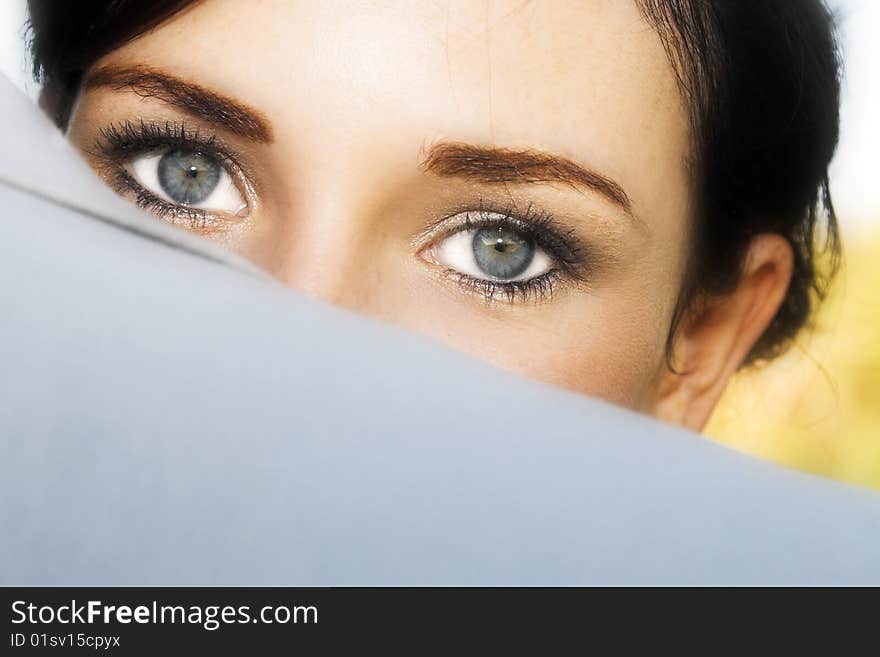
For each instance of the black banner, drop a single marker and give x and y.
(544, 621)
(123, 621)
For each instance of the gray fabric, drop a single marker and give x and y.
(170, 416)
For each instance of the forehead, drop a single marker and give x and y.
(588, 79)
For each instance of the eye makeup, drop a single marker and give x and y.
(516, 252)
(123, 149)
(530, 228)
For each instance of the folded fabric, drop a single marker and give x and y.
(169, 415)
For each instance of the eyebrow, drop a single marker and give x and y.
(503, 165)
(210, 106)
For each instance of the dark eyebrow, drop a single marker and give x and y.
(504, 165)
(233, 115)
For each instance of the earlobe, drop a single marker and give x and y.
(715, 338)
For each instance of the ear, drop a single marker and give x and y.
(714, 340)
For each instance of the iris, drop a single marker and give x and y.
(502, 253)
(188, 177)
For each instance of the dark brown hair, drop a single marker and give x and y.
(761, 79)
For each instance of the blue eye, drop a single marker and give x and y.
(499, 254)
(502, 254)
(188, 178)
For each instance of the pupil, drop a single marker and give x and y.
(501, 253)
(188, 177)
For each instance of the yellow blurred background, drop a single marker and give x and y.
(818, 407)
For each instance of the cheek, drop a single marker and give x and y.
(605, 351)
(608, 348)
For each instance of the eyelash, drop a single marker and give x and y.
(536, 289)
(559, 242)
(121, 142)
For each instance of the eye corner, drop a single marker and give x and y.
(427, 253)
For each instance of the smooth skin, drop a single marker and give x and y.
(356, 97)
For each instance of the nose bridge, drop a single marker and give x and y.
(340, 179)
(320, 252)
(328, 248)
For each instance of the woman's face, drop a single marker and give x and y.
(507, 177)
